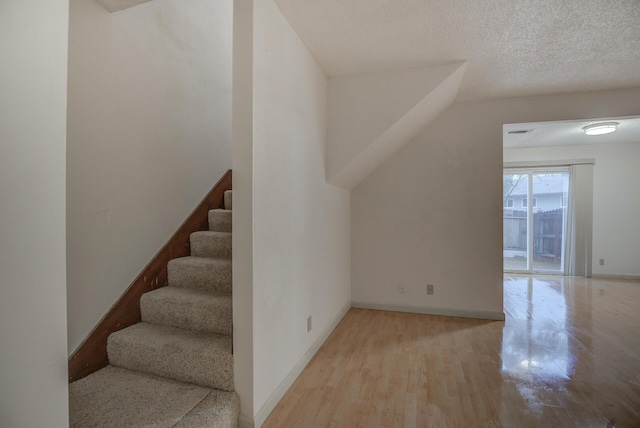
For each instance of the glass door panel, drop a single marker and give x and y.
(515, 213)
(549, 203)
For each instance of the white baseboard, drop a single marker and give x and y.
(279, 392)
(606, 275)
(485, 315)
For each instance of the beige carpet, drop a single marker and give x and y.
(116, 397)
(175, 368)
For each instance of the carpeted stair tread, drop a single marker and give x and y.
(216, 245)
(220, 220)
(188, 356)
(228, 199)
(188, 309)
(220, 409)
(116, 397)
(200, 273)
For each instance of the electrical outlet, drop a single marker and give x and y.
(429, 288)
(402, 289)
(309, 324)
(601, 262)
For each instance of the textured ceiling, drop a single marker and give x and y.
(514, 47)
(569, 133)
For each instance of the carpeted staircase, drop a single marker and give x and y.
(175, 368)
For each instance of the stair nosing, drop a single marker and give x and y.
(183, 290)
(200, 258)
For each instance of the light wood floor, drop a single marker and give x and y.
(568, 355)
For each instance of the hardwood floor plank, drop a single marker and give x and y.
(568, 354)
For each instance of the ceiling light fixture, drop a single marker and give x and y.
(600, 128)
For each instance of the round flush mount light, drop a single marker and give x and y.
(600, 128)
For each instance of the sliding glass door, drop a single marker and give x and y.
(515, 221)
(534, 220)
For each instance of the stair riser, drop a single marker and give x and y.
(216, 246)
(198, 366)
(200, 277)
(228, 200)
(220, 221)
(213, 318)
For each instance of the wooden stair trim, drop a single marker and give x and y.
(91, 355)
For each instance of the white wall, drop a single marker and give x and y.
(301, 224)
(242, 134)
(432, 213)
(149, 134)
(33, 84)
(370, 116)
(616, 200)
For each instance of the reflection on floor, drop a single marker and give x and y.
(575, 343)
(535, 336)
(568, 354)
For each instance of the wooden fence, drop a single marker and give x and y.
(547, 232)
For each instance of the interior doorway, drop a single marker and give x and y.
(535, 213)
